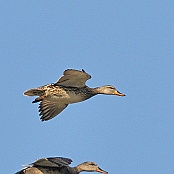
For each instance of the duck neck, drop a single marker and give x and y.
(98, 90)
(79, 168)
(74, 170)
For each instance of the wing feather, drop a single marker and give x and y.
(52, 162)
(49, 109)
(73, 78)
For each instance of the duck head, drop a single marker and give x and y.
(108, 90)
(90, 167)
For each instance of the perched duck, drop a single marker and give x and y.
(59, 165)
(70, 88)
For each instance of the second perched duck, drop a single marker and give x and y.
(59, 165)
(70, 88)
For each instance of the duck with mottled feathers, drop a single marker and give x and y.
(59, 165)
(70, 88)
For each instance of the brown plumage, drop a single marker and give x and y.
(70, 88)
(59, 165)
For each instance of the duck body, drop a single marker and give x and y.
(48, 170)
(64, 94)
(70, 88)
(59, 165)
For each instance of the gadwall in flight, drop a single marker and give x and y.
(59, 165)
(70, 88)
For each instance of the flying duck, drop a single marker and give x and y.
(70, 88)
(59, 165)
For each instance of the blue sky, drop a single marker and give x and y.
(127, 44)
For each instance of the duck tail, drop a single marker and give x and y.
(38, 99)
(34, 92)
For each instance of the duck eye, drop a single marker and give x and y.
(92, 164)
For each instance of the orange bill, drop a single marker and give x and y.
(119, 93)
(101, 171)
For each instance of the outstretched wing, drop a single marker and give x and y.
(52, 162)
(73, 78)
(49, 109)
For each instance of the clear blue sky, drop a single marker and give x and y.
(127, 44)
